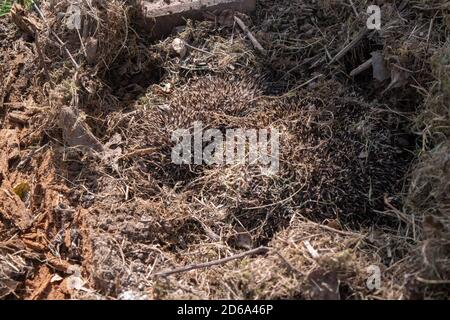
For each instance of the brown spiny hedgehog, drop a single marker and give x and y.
(211, 100)
(326, 167)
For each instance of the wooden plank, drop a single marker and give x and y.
(162, 16)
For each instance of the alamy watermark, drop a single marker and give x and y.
(374, 20)
(231, 147)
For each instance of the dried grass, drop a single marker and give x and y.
(337, 205)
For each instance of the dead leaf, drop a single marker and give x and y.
(7, 286)
(56, 278)
(76, 132)
(22, 190)
(13, 209)
(335, 224)
(24, 21)
(73, 17)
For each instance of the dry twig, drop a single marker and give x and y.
(250, 35)
(260, 250)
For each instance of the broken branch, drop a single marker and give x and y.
(190, 267)
(250, 35)
(350, 46)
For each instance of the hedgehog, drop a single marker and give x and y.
(324, 165)
(215, 102)
(206, 99)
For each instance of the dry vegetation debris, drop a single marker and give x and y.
(86, 177)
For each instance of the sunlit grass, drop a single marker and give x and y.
(6, 5)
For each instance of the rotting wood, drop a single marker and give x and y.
(161, 17)
(259, 250)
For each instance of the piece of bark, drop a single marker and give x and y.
(24, 21)
(76, 132)
(361, 68)
(18, 117)
(380, 71)
(9, 151)
(13, 209)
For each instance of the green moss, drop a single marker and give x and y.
(6, 6)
